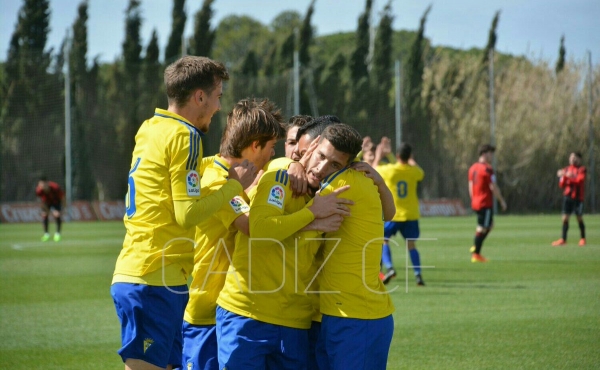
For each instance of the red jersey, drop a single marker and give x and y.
(482, 175)
(573, 182)
(53, 196)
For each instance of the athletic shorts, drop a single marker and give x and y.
(408, 229)
(355, 344)
(313, 339)
(200, 347)
(47, 207)
(248, 344)
(571, 205)
(151, 320)
(485, 217)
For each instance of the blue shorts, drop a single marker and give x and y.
(245, 343)
(151, 319)
(354, 343)
(313, 339)
(408, 229)
(200, 347)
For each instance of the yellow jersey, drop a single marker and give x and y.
(349, 281)
(166, 166)
(268, 277)
(402, 180)
(215, 238)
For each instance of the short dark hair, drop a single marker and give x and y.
(317, 126)
(43, 178)
(190, 73)
(299, 121)
(344, 138)
(578, 155)
(486, 148)
(404, 152)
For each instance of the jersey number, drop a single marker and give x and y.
(130, 197)
(401, 189)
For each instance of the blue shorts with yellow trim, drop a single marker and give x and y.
(248, 344)
(151, 319)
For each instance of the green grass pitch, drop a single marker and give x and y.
(531, 307)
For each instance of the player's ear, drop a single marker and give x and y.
(256, 146)
(199, 95)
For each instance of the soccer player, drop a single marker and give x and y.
(402, 178)
(53, 200)
(572, 180)
(264, 299)
(253, 128)
(295, 123)
(163, 204)
(482, 189)
(357, 324)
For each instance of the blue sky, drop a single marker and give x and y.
(527, 27)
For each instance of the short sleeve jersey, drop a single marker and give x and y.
(573, 182)
(54, 195)
(166, 166)
(349, 282)
(482, 175)
(215, 239)
(267, 277)
(402, 180)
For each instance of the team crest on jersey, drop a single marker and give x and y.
(276, 196)
(193, 183)
(147, 343)
(238, 205)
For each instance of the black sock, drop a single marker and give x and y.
(45, 219)
(565, 229)
(582, 229)
(58, 224)
(479, 236)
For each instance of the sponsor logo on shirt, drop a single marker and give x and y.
(147, 343)
(238, 205)
(276, 196)
(193, 184)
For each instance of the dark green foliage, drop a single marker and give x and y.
(358, 61)
(560, 63)
(306, 36)
(202, 42)
(491, 44)
(173, 49)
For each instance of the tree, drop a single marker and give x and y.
(151, 82)
(83, 183)
(202, 42)
(381, 72)
(491, 44)
(358, 64)
(30, 98)
(306, 36)
(173, 49)
(416, 128)
(560, 64)
(236, 36)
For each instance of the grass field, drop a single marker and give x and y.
(531, 307)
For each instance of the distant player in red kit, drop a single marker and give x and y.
(572, 180)
(482, 189)
(53, 199)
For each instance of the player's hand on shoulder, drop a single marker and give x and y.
(369, 171)
(255, 182)
(560, 173)
(327, 205)
(298, 180)
(244, 172)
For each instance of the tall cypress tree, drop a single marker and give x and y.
(306, 36)
(26, 103)
(415, 126)
(560, 63)
(358, 64)
(492, 37)
(151, 82)
(173, 49)
(83, 183)
(202, 42)
(381, 72)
